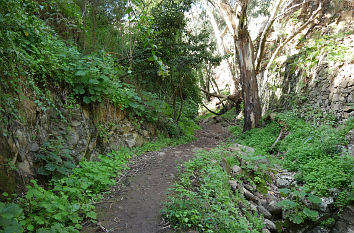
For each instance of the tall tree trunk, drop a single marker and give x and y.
(94, 24)
(245, 57)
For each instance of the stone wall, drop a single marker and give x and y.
(327, 86)
(84, 130)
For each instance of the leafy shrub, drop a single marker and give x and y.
(55, 160)
(70, 199)
(259, 138)
(202, 199)
(10, 213)
(306, 141)
(44, 207)
(294, 209)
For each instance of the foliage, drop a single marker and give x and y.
(202, 199)
(312, 151)
(55, 160)
(70, 199)
(324, 174)
(316, 142)
(10, 213)
(329, 45)
(295, 210)
(259, 138)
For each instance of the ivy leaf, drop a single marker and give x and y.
(300, 194)
(91, 214)
(313, 214)
(30, 227)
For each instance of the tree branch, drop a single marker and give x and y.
(281, 46)
(211, 110)
(224, 32)
(290, 8)
(264, 35)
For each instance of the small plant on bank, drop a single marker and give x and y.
(67, 201)
(10, 214)
(54, 160)
(202, 199)
(295, 209)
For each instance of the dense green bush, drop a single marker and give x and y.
(322, 175)
(312, 150)
(10, 214)
(202, 199)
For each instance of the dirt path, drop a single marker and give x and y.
(135, 202)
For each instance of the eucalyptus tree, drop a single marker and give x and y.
(235, 14)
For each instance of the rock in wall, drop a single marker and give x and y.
(83, 130)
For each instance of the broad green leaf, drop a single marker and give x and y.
(313, 214)
(284, 191)
(297, 219)
(86, 100)
(314, 199)
(287, 204)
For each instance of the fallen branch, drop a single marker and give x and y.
(215, 113)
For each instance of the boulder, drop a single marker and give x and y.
(233, 185)
(345, 221)
(326, 204)
(285, 179)
(264, 211)
(273, 208)
(269, 224)
(236, 170)
(241, 149)
(248, 195)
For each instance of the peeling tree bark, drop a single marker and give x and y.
(235, 19)
(245, 57)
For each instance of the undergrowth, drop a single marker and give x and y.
(202, 199)
(66, 202)
(313, 151)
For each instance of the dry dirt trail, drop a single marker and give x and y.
(135, 202)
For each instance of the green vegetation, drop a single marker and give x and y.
(35, 60)
(295, 210)
(55, 161)
(67, 201)
(311, 150)
(329, 46)
(202, 199)
(10, 213)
